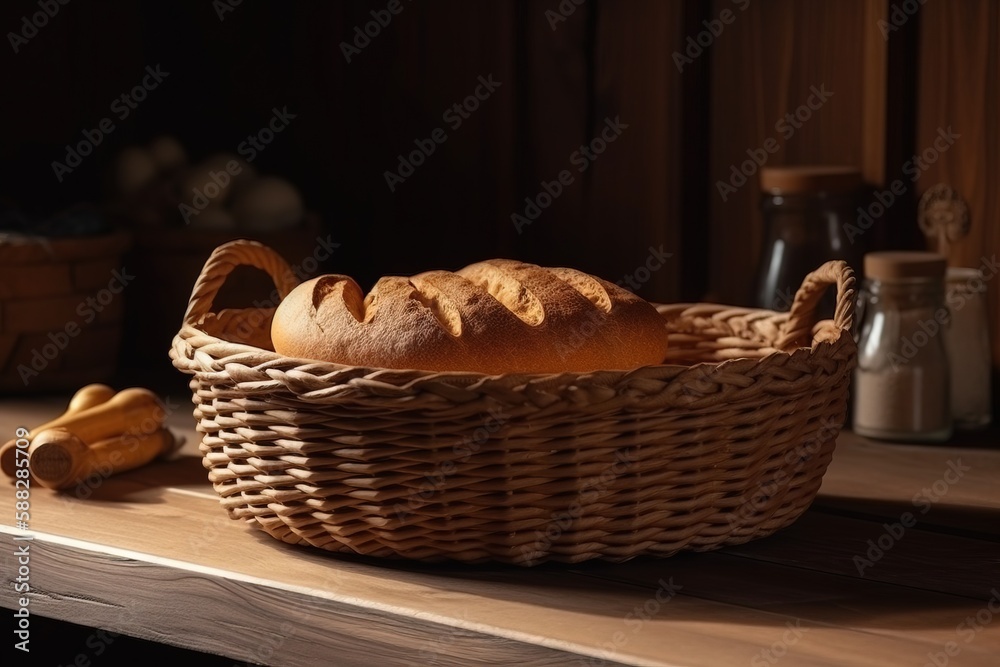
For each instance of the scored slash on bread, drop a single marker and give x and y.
(496, 316)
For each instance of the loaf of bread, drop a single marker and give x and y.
(497, 316)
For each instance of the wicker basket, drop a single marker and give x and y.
(724, 443)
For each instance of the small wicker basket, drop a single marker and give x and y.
(60, 327)
(726, 442)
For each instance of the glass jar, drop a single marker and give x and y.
(902, 383)
(968, 344)
(809, 214)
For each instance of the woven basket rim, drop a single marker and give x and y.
(319, 367)
(795, 333)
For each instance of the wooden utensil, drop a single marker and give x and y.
(85, 398)
(58, 459)
(125, 411)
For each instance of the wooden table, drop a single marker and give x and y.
(151, 554)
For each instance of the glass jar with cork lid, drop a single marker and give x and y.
(901, 383)
(807, 214)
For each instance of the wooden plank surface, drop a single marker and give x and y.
(150, 553)
(900, 478)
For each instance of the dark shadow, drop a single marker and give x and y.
(806, 571)
(980, 523)
(57, 642)
(148, 484)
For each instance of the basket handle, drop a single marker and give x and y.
(797, 329)
(225, 258)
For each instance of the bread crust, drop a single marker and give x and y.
(497, 316)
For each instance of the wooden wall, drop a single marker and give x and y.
(959, 76)
(766, 65)
(654, 186)
(562, 81)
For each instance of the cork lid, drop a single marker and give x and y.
(898, 265)
(811, 178)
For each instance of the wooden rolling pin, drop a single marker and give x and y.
(60, 460)
(84, 399)
(124, 412)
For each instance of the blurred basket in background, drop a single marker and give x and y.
(171, 259)
(61, 310)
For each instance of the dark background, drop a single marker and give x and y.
(352, 121)
(655, 186)
(560, 78)
(897, 77)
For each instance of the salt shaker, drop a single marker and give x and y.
(902, 382)
(968, 343)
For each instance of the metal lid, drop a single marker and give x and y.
(897, 265)
(811, 178)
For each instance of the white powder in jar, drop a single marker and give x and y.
(901, 385)
(902, 381)
(901, 404)
(968, 349)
